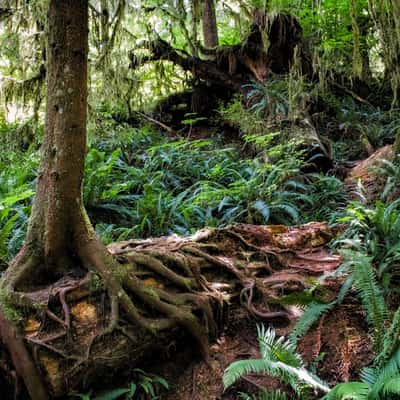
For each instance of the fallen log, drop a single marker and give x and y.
(269, 47)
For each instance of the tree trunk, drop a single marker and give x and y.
(210, 28)
(58, 210)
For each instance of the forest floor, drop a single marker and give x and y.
(338, 346)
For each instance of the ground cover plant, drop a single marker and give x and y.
(199, 199)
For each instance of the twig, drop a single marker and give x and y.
(158, 123)
(351, 93)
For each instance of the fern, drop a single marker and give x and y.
(389, 372)
(348, 391)
(279, 359)
(264, 395)
(390, 342)
(370, 294)
(377, 383)
(310, 316)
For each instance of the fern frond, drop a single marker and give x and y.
(370, 294)
(310, 316)
(391, 341)
(279, 359)
(277, 349)
(348, 391)
(264, 395)
(391, 370)
(391, 387)
(244, 367)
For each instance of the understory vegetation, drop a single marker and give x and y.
(247, 120)
(139, 183)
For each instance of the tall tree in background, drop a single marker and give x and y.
(210, 29)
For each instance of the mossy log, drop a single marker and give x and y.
(269, 47)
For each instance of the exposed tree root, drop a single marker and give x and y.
(140, 296)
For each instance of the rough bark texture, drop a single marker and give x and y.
(57, 221)
(210, 29)
(58, 211)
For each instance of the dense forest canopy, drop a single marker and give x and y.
(199, 199)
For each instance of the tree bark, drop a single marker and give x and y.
(210, 28)
(58, 208)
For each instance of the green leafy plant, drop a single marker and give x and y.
(264, 395)
(375, 231)
(391, 171)
(145, 387)
(312, 313)
(279, 359)
(381, 381)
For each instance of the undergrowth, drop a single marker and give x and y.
(140, 184)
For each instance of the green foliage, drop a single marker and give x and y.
(264, 395)
(145, 387)
(360, 125)
(139, 184)
(349, 391)
(390, 170)
(310, 316)
(375, 231)
(278, 359)
(17, 174)
(377, 383)
(365, 281)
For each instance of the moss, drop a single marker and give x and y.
(120, 273)
(151, 292)
(10, 310)
(96, 282)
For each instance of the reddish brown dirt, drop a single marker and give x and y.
(337, 347)
(366, 173)
(199, 380)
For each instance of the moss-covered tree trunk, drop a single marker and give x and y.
(210, 29)
(57, 223)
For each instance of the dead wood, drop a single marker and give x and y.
(233, 66)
